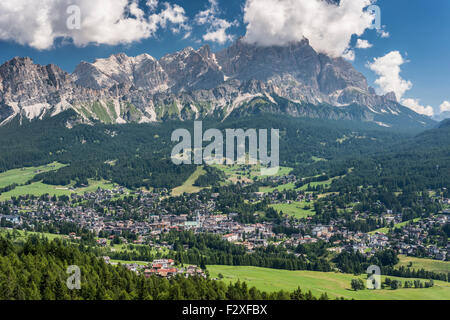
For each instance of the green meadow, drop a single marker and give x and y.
(291, 186)
(140, 263)
(280, 188)
(249, 172)
(426, 264)
(334, 284)
(298, 210)
(23, 175)
(39, 189)
(23, 235)
(325, 184)
(396, 226)
(188, 185)
(317, 159)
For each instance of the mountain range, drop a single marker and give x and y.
(197, 84)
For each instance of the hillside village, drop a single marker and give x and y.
(164, 268)
(143, 218)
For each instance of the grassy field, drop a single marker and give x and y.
(36, 189)
(426, 264)
(396, 226)
(334, 284)
(295, 209)
(320, 183)
(23, 175)
(283, 187)
(317, 159)
(291, 186)
(284, 171)
(247, 173)
(140, 263)
(23, 235)
(188, 185)
(39, 189)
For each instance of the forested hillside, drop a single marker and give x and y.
(135, 155)
(414, 164)
(138, 155)
(36, 270)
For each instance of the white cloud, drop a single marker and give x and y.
(217, 28)
(384, 34)
(204, 17)
(445, 106)
(328, 27)
(415, 105)
(152, 4)
(363, 44)
(219, 32)
(39, 23)
(388, 70)
(172, 14)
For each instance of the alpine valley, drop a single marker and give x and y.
(86, 179)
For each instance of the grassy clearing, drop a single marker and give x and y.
(188, 186)
(325, 184)
(298, 210)
(323, 195)
(23, 235)
(291, 186)
(426, 264)
(317, 159)
(396, 226)
(280, 188)
(334, 284)
(140, 263)
(38, 189)
(23, 175)
(247, 173)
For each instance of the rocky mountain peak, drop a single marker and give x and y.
(192, 84)
(31, 90)
(142, 71)
(296, 70)
(192, 69)
(20, 76)
(391, 96)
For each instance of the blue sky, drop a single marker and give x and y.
(418, 30)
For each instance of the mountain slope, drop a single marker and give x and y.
(197, 84)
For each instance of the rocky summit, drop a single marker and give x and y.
(196, 84)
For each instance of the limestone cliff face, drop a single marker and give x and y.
(194, 84)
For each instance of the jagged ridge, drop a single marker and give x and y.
(195, 84)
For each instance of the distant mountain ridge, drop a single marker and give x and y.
(196, 84)
(444, 124)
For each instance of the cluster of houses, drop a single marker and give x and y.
(413, 239)
(11, 219)
(152, 218)
(203, 218)
(164, 268)
(277, 197)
